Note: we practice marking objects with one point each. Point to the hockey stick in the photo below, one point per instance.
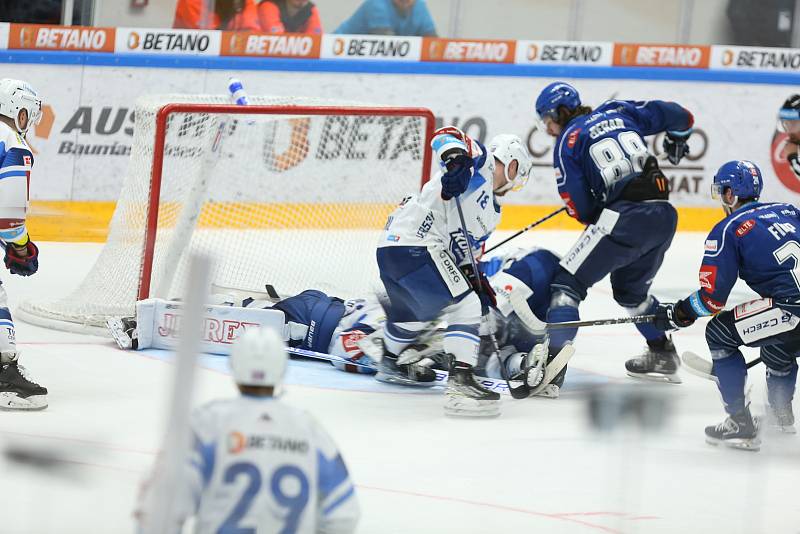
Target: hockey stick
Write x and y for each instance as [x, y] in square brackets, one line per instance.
[518, 392]
[602, 322]
[699, 366]
[492, 384]
[532, 225]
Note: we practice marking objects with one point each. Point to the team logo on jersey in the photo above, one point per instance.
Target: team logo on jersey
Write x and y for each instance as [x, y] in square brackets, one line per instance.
[711, 245]
[708, 277]
[573, 138]
[26, 160]
[746, 309]
[570, 205]
[745, 227]
[350, 342]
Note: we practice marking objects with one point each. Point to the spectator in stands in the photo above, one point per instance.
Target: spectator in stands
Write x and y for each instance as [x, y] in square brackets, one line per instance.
[216, 15]
[289, 16]
[390, 17]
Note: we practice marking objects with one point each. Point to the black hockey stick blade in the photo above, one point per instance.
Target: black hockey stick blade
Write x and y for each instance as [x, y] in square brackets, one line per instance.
[602, 322]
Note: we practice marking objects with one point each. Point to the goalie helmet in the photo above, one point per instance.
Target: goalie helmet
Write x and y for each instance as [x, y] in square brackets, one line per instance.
[507, 148]
[16, 95]
[554, 96]
[742, 177]
[259, 358]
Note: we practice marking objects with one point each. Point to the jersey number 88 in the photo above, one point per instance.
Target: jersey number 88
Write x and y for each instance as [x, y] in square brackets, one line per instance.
[620, 157]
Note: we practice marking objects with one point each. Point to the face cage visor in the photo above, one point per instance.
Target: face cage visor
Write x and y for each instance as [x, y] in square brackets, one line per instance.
[717, 192]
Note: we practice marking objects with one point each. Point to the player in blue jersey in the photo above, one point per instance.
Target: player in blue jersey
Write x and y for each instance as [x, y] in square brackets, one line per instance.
[610, 183]
[759, 243]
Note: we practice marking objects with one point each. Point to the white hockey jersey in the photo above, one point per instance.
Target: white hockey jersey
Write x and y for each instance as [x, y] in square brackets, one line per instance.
[428, 221]
[261, 466]
[16, 162]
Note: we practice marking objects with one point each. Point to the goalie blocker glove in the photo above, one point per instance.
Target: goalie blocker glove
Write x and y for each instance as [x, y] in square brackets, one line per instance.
[22, 260]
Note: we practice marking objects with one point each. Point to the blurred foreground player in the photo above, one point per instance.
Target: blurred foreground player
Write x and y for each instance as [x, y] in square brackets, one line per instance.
[20, 109]
[259, 465]
[611, 183]
[759, 243]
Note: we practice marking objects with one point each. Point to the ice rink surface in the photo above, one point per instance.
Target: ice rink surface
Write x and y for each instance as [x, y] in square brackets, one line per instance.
[540, 467]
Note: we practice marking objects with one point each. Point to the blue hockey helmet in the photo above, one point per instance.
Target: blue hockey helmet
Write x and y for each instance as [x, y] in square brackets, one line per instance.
[789, 115]
[555, 95]
[742, 177]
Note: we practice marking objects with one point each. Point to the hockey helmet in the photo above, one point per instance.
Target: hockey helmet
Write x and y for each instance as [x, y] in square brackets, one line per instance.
[259, 358]
[16, 95]
[507, 148]
[742, 177]
[789, 116]
[554, 96]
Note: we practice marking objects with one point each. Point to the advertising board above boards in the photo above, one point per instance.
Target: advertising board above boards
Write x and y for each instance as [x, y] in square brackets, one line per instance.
[212, 43]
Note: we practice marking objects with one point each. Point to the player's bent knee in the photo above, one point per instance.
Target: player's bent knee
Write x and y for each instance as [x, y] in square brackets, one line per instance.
[465, 311]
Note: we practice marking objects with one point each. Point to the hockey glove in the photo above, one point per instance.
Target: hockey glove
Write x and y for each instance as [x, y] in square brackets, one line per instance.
[481, 286]
[459, 172]
[22, 259]
[676, 147]
[671, 317]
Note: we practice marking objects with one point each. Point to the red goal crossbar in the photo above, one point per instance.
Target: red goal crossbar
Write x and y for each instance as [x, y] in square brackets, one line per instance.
[159, 145]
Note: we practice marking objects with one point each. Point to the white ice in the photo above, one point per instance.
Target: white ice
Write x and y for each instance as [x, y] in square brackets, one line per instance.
[538, 468]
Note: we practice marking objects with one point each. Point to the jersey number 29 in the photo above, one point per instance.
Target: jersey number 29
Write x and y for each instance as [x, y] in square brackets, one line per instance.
[618, 158]
[293, 503]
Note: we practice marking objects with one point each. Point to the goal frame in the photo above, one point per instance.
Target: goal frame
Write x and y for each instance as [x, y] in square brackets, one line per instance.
[163, 114]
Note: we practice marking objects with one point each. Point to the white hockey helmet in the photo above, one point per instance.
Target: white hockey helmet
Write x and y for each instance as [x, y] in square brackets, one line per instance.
[259, 358]
[16, 95]
[507, 148]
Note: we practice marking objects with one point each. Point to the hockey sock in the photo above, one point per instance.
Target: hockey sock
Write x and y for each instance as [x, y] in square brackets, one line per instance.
[780, 387]
[731, 372]
[462, 341]
[396, 338]
[648, 330]
[562, 314]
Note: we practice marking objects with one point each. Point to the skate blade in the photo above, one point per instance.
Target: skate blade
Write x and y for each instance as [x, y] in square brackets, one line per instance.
[657, 377]
[393, 379]
[753, 444]
[13, 402]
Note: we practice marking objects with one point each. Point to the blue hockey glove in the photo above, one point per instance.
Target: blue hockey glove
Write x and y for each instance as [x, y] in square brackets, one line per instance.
[675, 145]
[671, 317]
[22, 259]
[459, 172]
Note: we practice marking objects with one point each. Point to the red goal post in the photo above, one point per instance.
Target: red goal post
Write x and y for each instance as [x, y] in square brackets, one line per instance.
[289, 191]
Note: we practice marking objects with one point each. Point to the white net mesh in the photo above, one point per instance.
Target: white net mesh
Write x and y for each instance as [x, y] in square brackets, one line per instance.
[296, 201]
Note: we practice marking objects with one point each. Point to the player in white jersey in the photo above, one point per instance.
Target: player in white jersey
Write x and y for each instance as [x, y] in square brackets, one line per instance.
[257, 464]
[20, 109]
[424, 262]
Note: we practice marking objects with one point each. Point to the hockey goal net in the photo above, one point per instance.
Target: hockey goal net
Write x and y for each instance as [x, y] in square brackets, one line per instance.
[287, 191]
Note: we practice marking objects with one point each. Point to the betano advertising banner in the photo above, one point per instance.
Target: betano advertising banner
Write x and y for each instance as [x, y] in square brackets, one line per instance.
[83, 144]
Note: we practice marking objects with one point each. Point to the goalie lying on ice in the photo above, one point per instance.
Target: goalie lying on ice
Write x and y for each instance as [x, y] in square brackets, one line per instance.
[352, 329]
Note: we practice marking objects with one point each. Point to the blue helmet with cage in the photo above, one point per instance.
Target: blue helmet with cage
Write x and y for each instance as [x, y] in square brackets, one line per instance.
[555, 95]
[742, 177]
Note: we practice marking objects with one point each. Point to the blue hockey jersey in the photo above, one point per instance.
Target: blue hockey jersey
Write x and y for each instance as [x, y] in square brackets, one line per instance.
[596, 155]
[759, 243]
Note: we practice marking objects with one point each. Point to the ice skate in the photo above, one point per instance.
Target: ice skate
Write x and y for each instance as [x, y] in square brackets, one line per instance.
[413, 374]
[464, 397]
[738, 431]
[659, 362]
[17, 392]
[781, 418]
